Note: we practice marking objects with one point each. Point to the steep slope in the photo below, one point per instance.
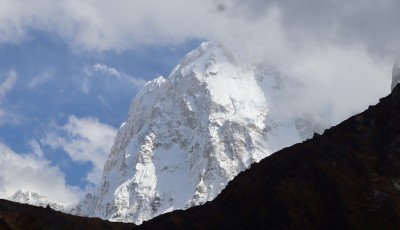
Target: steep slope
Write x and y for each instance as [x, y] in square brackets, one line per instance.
[22, 216]
[188, 135]
[347, 178]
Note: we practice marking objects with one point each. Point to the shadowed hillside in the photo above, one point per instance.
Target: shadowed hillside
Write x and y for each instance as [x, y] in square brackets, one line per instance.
[22, 216]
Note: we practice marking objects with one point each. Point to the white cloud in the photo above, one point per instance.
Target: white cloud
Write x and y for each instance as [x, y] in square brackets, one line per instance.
[109, 76]
[41, 79]
[27, 171]
[334, 82]
[107, 70]
[84, 140]
[8, 84]
[275, 29]
[121, 24]
[7, 115]
[112, 72]
[337, 50]
[328, 73]
[36, 149]
[281, 32]
[101, 24]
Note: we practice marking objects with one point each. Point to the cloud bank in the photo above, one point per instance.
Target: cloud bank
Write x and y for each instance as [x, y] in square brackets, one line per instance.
[84, 140]
[285, 33]
[29, 172]
[105, 25]
[7, 84]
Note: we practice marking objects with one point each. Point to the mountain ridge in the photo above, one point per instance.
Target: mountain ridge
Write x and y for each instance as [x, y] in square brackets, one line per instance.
[14, 215]
[37, 199]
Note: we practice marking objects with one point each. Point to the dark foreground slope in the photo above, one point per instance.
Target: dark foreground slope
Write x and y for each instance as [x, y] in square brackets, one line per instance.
[347, 178]
[22, 216]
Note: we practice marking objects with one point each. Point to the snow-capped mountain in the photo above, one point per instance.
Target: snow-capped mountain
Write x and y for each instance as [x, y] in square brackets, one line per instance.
[188, 135]
[37, 199]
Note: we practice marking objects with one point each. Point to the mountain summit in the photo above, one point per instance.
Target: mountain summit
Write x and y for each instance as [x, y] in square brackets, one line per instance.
[188, 135]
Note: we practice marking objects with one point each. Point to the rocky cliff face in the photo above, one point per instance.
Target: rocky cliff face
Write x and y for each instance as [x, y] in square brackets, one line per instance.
[188, 135]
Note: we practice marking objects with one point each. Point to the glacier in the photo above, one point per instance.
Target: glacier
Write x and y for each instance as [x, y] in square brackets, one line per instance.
[188, 135]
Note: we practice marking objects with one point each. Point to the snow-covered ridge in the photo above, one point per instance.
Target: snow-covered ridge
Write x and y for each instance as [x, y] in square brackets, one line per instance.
[37, 199]
[188, 135]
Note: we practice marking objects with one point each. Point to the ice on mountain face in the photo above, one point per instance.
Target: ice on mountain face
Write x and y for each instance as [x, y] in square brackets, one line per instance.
[395, 75]
[37, 199]
[188, 135]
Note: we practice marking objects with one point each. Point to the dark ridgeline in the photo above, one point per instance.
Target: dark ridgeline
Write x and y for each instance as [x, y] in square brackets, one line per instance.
[349, 177]
[22, 216]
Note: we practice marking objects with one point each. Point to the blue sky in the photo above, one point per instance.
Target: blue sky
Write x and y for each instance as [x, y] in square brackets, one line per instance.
[69, 69]
[52, 84]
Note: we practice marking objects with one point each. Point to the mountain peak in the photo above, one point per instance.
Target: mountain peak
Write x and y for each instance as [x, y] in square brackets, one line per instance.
[188, 135]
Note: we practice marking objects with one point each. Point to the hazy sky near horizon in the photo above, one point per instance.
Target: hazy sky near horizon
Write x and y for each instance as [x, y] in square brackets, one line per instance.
[69, 69]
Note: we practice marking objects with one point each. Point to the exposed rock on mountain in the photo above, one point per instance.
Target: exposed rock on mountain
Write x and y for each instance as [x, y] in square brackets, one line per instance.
[188, 135]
